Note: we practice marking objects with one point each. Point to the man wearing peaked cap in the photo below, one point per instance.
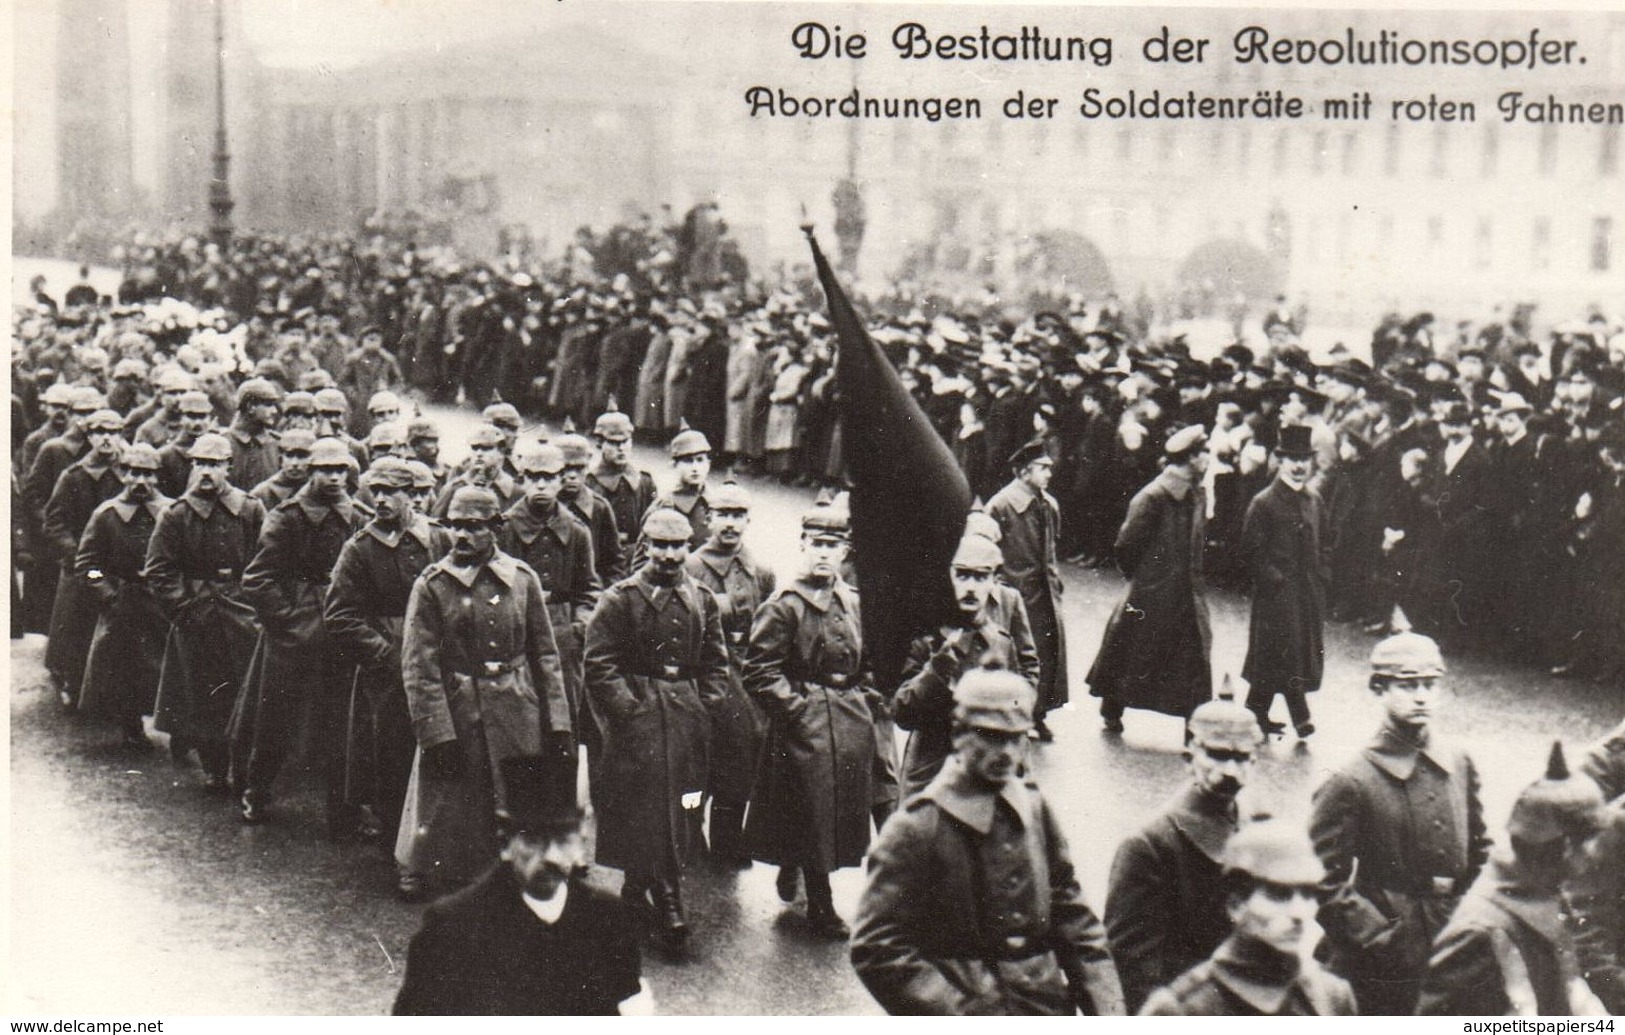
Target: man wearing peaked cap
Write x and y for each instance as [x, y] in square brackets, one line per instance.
[691, 458]
[1165, 904]
[629, 490]
[253, 442]
[948, 924]
[423, 435]
[1400, 829]
[194, 566]
[530, 937]
[295, 694]
[174, 457]
[163, 424]
[1031, 520]
[994, 630]
[1264, 967]
[127, 645]
[294, 446]
[486, 468]
[1155, 651]
[590, 508]
[1509, 945]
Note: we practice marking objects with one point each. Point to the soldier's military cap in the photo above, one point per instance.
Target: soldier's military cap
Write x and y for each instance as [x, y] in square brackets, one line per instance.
[388, 472]
[473, 503]
[422, 428]
[140, 456]
[979, 522]
[546, 457]
[195, 402]
[386, 435]
[978, 553]
[176, 379]
[994, 699]
[1558, 805]
[730, 495]
[488, 436]
[688, 442]
[576, 448]
[667, 524]
[1406, 654]
[1185, 441]
[57, 394]
[1276, 851]
[93, 358]
[331, 400]
[302, 403]
[87, 400]
[104, 420]
[330, 452]
[422, 477]
[289, 439]
[258, 389]
[503, 415]
[1035, 449]
[612, 423]
[210, 446]
[827, 519]
[1223, 724]
[129, 368]
[384, 400]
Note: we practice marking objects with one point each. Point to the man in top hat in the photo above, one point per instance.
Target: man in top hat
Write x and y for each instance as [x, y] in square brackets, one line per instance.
[592, 509]
[1166, 908]
[741, 585]
[691, 458]
[121, 666]
[1464, 485]
[994, 627]
[292, 695]
[804, 666]
[365, 614]
[1509, 946]
[83, 487]
[293, 446]
[1521, 538]
[657, 666]
[195, 564]
[1401, 831]
[1263, 967]
[485, 469]
[1155, 650]
[1288, 556]
[1031, 520]
[174, 460]
[530, 937]
[252, 433]
[480, 666]
[629, 490]
[972, 905]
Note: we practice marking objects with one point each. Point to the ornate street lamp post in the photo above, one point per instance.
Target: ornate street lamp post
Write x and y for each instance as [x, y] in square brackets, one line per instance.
[220, 203]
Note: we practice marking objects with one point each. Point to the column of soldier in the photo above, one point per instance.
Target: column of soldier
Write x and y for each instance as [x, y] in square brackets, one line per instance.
[257, 591]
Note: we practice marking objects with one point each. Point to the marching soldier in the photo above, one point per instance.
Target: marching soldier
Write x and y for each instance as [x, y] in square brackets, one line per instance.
[195, 565]
[996, 632]
[253, 433]
[741, 585]
[1401, 832]
[294, 446]
[593, 510]
[174, 461]
[1264, 967]
[657, 666]
[1028, 543]
[121, 669]
[424, 438]
[291, 695]
[629, 490]
[691, 457]
[55, 456]
[485, 470]
[972, 905]
[1165, 906]
[365, 613]
[804, 666]
[1509, 947]
[481, 672]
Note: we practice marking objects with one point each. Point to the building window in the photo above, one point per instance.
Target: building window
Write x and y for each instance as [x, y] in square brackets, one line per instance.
[1390, 157]
[1602, 244]
[1608, 158]
[1492, 149]
[1548, 149]
[1540, 251]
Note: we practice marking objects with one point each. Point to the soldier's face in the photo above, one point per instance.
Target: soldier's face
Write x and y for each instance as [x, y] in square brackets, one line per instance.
[263, 413]
[1221, 770]
[542, 485]
[1038, 473]
[1409, 701]
[991, 756]
[172, 398]
[296, 464]
[1279, 915]
[208, 476]
[485, 458]
[668, 555]
[105, 444]
[385, 413]
[972, 587]
[572, 478]
[328, 482]
[57, 415]
[823, 555]
[614, 452]
[392, 506]
[692, 471]
[728, 526]
[542, 862]
[473, 539]
[329, 420]
[195, 424]
[141, 483]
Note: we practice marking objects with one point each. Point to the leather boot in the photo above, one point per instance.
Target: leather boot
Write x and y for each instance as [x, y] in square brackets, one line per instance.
[669, 912]
[822, 919]
[635, 895]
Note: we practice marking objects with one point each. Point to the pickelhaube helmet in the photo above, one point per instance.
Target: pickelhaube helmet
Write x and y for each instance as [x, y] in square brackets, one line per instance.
[1406, 654]
[977, 553]
[576, 448]
[827, 518]
[487, 436]
[1223, 724]
[612, 423]
[730, 495]
[688, 442]
[1558, 805]
[1273, 850]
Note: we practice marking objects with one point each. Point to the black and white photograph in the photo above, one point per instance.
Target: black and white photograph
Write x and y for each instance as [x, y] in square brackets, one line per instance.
[759, 508]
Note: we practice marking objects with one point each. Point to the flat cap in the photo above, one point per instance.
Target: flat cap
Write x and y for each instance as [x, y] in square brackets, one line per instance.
[258, 389]
[388, 472]
[330, 452]
[210, 446]
[667, 524]
[994, 699]
[473, 503]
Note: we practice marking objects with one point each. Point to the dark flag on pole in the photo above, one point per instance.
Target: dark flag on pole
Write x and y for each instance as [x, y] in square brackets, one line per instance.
[909, 497]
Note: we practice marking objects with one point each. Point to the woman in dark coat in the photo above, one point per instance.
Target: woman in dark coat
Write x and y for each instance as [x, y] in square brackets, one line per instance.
[1155, 652]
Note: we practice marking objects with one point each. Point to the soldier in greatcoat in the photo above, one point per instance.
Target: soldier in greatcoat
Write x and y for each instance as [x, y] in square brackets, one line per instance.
[82, 488]
[1155, 650]
[691, 459]
[657, 668]
[1401, 831]
[741, 585]
[174, 463]
[995, 633]
[590, 508]
[55, 456]
[1287, 555]
[1030, 520]
[195, 564]
[484, 469]
[805, 667]
[293, 446]
[481, 670]
[121, 669]
[1165, 904]
[365, 614]
[293, 702]
[253, 433]
[629, 490]
[972, 905]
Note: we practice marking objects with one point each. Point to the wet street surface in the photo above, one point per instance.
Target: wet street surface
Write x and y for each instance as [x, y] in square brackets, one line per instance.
[133, 891]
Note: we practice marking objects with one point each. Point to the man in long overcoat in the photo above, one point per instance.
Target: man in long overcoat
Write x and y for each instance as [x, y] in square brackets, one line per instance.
[481, 671]
[657, 667]
[629, 489]
[1030, 519]
[1286, 549]
[804, 665]
[195, 564]
[1156, 647]
[127, 647]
